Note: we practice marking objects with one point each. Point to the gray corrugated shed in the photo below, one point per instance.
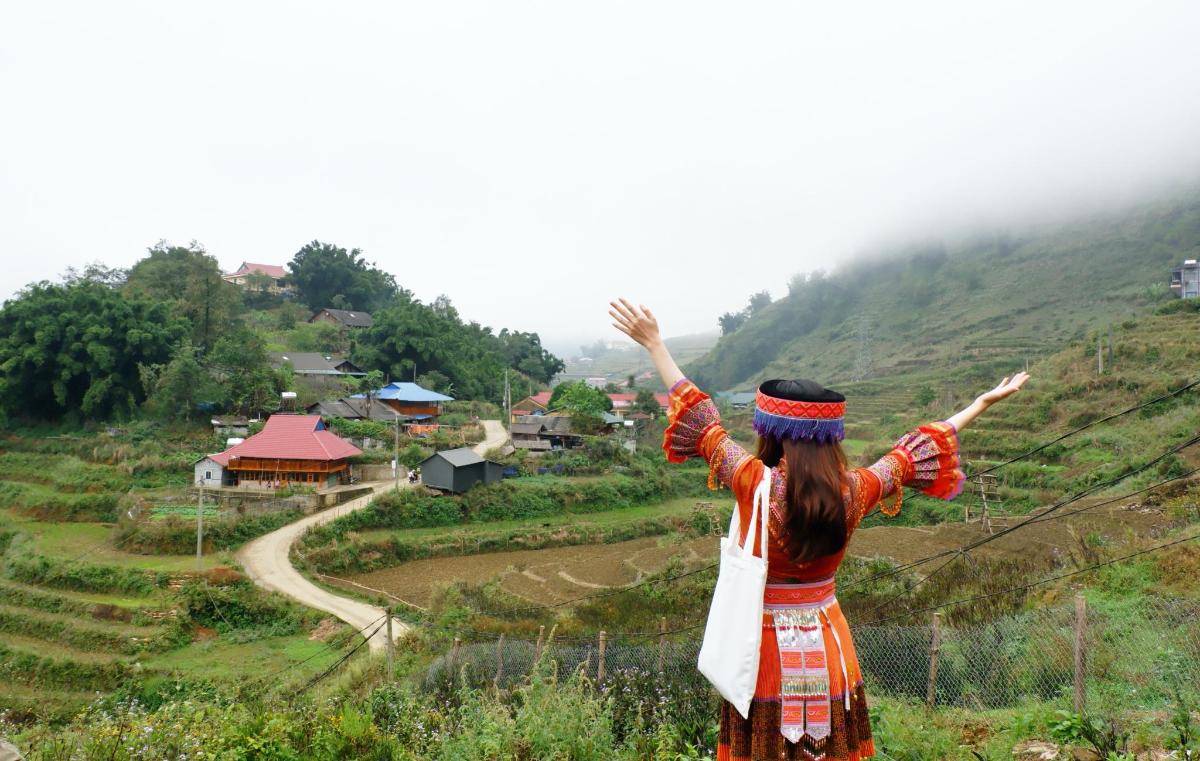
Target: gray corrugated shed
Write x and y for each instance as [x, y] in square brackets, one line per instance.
[314, 363]
[460, 457]
[355, 409]
[526, 429]
[351, 319]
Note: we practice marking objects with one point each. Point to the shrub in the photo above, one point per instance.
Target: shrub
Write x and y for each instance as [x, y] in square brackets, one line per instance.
[242, 611]
[176, 536]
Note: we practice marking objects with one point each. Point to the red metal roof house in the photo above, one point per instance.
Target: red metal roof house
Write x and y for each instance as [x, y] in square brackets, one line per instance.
[241, 276]
[290, 449]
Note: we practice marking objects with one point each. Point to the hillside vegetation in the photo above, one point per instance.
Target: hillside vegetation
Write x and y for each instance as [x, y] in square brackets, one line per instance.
[985, 303]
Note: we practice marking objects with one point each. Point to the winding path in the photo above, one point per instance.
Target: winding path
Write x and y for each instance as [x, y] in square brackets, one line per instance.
[495, 434]
[266, 559]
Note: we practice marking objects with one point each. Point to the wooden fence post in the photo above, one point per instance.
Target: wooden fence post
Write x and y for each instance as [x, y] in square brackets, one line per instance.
[391, 648]
[1080, 654]
[454, 659]
[600, 660]
[499, 661]
[662, 644]
[537, 650]
[935, 648]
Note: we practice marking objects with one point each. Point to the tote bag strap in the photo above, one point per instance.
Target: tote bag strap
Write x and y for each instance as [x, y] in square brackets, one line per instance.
[759, 515]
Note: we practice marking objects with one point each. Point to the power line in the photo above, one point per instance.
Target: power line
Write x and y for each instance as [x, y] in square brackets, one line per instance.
[1043, 516]
[334, 666]
[346, 637]
[1086, 426]
[912, 493]
[1031, 585]
[1074, 498]
[1152, 487]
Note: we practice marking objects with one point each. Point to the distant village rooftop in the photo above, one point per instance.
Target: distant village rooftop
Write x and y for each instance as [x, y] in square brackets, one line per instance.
[419, 404]
[314, 363]
[343, 317]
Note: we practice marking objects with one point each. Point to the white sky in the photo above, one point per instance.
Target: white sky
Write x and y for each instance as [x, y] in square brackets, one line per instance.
[531, 160]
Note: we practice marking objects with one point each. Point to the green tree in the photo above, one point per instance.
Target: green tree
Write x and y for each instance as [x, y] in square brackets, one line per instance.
[174, 390]
[436, 381]
[69, 349]
[731, 321]
[96, 272]
[585, 405]
[759, 302]
[239, 362]
[925, 396]
[410, 339]
[325, 275]
[646, 402]
[191, 280]
[578, 396]
[524, 353]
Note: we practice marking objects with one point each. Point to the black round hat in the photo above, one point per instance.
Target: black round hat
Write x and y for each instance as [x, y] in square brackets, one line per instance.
[800, 390]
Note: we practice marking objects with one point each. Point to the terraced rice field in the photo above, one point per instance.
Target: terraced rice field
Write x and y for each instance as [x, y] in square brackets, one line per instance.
[59, 649]
[552, 575]
[542, 576]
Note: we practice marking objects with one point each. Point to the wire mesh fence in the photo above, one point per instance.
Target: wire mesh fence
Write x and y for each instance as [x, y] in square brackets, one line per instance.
[1131, 657]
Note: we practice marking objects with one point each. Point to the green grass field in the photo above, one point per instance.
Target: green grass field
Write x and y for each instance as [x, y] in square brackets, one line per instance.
[92, 542]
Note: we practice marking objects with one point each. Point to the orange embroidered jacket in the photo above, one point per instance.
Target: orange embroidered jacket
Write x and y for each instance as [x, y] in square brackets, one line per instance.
[926, 459]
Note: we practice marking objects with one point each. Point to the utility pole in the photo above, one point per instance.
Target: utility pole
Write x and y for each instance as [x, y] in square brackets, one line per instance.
[396, 455]
[1100, 353]
[200, 530]
[507, 399]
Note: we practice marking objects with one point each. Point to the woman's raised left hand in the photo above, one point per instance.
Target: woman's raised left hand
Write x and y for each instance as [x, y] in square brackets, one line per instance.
[1007, 388]
[637, 322]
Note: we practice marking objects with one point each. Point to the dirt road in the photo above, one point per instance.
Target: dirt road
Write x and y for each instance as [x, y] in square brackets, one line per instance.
[494, 436]
[266, 561]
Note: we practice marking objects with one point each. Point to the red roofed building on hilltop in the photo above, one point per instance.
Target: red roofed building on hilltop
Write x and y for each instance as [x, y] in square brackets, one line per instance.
[290, 449]
[241, 276]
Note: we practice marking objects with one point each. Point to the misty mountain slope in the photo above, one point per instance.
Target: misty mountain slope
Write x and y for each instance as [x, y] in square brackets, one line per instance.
[977, 307]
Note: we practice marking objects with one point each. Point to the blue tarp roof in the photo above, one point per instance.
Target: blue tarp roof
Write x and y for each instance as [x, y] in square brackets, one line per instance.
[408, 392]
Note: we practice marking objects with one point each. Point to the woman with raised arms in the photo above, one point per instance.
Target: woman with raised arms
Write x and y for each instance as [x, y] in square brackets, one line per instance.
[808, 701]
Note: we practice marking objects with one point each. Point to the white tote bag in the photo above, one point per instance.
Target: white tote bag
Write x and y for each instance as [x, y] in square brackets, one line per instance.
[733, 634]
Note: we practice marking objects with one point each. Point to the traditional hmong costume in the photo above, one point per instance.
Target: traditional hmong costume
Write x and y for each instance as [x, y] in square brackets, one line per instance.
[809, 702]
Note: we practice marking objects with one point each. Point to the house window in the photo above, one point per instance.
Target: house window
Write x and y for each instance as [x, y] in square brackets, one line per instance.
[208, 475]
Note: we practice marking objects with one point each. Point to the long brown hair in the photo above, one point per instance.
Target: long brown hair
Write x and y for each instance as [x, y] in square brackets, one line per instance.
[816, 512]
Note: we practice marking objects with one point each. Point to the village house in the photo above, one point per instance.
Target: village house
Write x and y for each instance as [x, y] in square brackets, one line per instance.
[542, 433]
[231, 425]
[351, 408]
[289, 450]
[311, 363]
[420, 404]
[457, 470]
[539, 404]
[1185, 279]
[342, 318]
[623, 403]
[242, 276]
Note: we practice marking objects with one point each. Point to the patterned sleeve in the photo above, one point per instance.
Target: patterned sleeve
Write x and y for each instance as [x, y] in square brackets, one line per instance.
[925, 459]
[694, 430]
